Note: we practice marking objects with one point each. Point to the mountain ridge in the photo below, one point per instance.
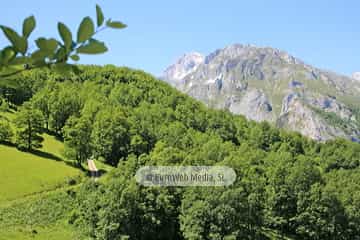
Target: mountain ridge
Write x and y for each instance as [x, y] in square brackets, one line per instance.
[268, 84]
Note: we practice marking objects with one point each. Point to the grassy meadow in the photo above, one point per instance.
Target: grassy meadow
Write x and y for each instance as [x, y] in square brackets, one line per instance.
[24, 173]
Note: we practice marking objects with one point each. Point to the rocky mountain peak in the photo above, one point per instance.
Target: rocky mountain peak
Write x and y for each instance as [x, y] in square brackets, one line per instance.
[182, 67]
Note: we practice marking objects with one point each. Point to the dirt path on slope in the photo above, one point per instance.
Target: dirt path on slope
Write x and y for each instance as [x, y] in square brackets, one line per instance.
[92, 167]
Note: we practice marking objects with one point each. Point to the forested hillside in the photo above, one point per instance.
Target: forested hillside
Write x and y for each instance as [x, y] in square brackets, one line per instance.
[286, 184]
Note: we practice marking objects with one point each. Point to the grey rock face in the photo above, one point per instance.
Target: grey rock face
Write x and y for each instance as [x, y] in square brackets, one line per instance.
[269, 84]
[297, 116]
[254, 105]
[330, 104]
[295, 84]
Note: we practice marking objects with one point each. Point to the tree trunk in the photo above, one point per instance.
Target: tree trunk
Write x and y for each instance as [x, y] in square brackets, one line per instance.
[29, 135]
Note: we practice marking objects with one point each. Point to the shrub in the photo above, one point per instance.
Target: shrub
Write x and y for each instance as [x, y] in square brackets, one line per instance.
[6, 132]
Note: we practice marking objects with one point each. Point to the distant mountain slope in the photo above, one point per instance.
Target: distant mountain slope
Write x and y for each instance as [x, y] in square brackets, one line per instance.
[269, 84]
[356, 76]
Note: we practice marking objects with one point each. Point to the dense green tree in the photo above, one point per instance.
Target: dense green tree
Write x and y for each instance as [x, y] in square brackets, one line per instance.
[29, 125]
[216, 213]
[340, 153]
[281, 201]
[126, 94]
[110, 135]
[176, 135]
[127, 209]
[138, 145]
[195, 220]
[4, 105]
[41, 101]
[211, 152]
[6, 132]
[147, 121]
[222, 124]
[191, 114]
[165, 155]
[64, 102]
[77, 139]
[293, 142]
[320, 215]
[344, 185]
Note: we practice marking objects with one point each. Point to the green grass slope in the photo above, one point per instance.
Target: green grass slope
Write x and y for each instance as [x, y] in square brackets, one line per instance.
[25, 173]
[56, 232]
[41, 216]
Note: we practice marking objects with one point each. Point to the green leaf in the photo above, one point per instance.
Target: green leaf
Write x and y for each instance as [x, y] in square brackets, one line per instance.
[99, 16]
[93, 47]
[39, 63]
[20, 61]
[60, 55]
[65, 35]
[115, 24]
[39, 55]
[28, 26]
[8, 54]
[75, 57]
[86, 30]
[19, 43]
[47, 45]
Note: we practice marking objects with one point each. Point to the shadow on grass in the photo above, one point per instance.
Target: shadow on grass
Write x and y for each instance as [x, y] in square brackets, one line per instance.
[101, 172]
[50, 156]
[54, 134]
[9, 144]
[75, 164]
[45, 155]
[97, 173]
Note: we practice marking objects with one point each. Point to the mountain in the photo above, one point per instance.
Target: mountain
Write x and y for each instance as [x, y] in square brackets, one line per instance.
[356, 76]
[186, 64]
[267, 84]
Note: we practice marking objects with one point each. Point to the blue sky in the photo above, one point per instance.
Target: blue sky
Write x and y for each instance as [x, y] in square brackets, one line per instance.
[324, 33]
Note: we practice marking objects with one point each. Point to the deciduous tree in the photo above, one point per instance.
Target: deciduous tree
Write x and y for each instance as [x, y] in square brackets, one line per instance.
[29, 125]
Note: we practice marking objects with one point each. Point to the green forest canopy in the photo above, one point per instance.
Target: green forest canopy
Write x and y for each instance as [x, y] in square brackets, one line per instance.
[128, 119]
